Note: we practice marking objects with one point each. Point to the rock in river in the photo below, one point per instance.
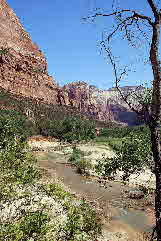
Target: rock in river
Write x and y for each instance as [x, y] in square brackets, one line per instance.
[136, 194]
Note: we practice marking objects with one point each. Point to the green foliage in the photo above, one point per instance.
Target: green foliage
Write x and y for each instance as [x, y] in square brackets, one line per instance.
[78, 159]
[18, 167]
[68, 129]
[83, 166]
[25, 217]
[16, 163]
[31, 225]
[76, 155]
[121, 132]
[82, 223]
[56, 190]
[133, 152]
[13, 124]
[146, 97]
[30, 128]
[115, 143]
[4, 51]
[45, 115]
[115, 137]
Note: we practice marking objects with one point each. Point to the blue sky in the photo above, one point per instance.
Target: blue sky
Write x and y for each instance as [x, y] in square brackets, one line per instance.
[71, 46]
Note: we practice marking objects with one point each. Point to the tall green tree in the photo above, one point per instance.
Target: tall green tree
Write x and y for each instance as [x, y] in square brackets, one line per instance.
[133, 25]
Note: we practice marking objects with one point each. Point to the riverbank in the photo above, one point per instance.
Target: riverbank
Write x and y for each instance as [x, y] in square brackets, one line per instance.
[124, 218]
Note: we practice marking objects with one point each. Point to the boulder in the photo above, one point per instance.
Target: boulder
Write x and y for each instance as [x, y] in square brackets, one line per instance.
[136, 194]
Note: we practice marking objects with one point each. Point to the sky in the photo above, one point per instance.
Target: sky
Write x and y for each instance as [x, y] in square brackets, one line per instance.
[71, 45]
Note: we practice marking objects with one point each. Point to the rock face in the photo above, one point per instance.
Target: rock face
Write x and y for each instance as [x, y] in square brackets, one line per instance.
[105, 105]
[23, 67]
[23, 72]
[88, 99]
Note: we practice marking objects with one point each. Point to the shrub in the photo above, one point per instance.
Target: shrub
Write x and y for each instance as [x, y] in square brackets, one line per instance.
[83, 166]
[16, 163]
[121, 132]
[14, 124]
[76, 155]
[31, 226]
[82, 223]
[57, 191]
[77, 158]
[25, 204]
[68, 129]
[133, 153]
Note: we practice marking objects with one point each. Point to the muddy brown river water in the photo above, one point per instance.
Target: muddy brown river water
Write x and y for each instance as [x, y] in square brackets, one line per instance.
[118, 210]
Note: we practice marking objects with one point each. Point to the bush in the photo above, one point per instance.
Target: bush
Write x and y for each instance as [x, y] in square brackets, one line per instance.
[83, 166]
[30, 210]
[132, 154]
[77, 158]
[31, 224]
[82, 223]
[16, 163]
[121, 132]
[13, 123]
[57, 191]
[68, 129]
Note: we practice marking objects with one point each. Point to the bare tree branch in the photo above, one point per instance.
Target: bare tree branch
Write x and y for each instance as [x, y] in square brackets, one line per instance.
[121, 24]
[141, 31]
[124, 24]
[128, 22]
[153, 7]
[140, 16]
[110, 14]
[117, 77]
[134, 15]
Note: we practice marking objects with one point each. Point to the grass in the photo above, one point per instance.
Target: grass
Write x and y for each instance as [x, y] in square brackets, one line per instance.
[103, 140]
[114, 142]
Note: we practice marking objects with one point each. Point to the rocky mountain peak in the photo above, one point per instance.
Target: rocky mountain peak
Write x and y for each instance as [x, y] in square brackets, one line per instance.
[13, 35]
[24, 73]
[23, 67]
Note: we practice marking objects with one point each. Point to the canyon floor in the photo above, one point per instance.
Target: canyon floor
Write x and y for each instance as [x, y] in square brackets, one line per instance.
[123, 218]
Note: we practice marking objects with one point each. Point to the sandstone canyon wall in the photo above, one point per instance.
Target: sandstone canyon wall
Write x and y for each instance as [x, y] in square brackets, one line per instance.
[105, 105]
[23, 72]
[23, 67]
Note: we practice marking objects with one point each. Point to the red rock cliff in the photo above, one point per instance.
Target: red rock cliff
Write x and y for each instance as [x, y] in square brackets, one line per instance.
[88, 99]
[104, 105]
[23, 67]
[23, 72]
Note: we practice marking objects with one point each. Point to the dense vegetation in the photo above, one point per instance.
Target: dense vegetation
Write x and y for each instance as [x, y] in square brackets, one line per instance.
[62, 122]
[78, 159]
[132, 147]
[68, 129]
[29, 208]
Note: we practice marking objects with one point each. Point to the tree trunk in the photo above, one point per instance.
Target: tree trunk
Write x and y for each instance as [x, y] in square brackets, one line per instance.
[155, 140]
[156, 117]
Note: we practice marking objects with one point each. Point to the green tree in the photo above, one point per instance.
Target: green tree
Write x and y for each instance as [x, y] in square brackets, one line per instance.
[68, 129]
[132, 26]
[14, 161]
